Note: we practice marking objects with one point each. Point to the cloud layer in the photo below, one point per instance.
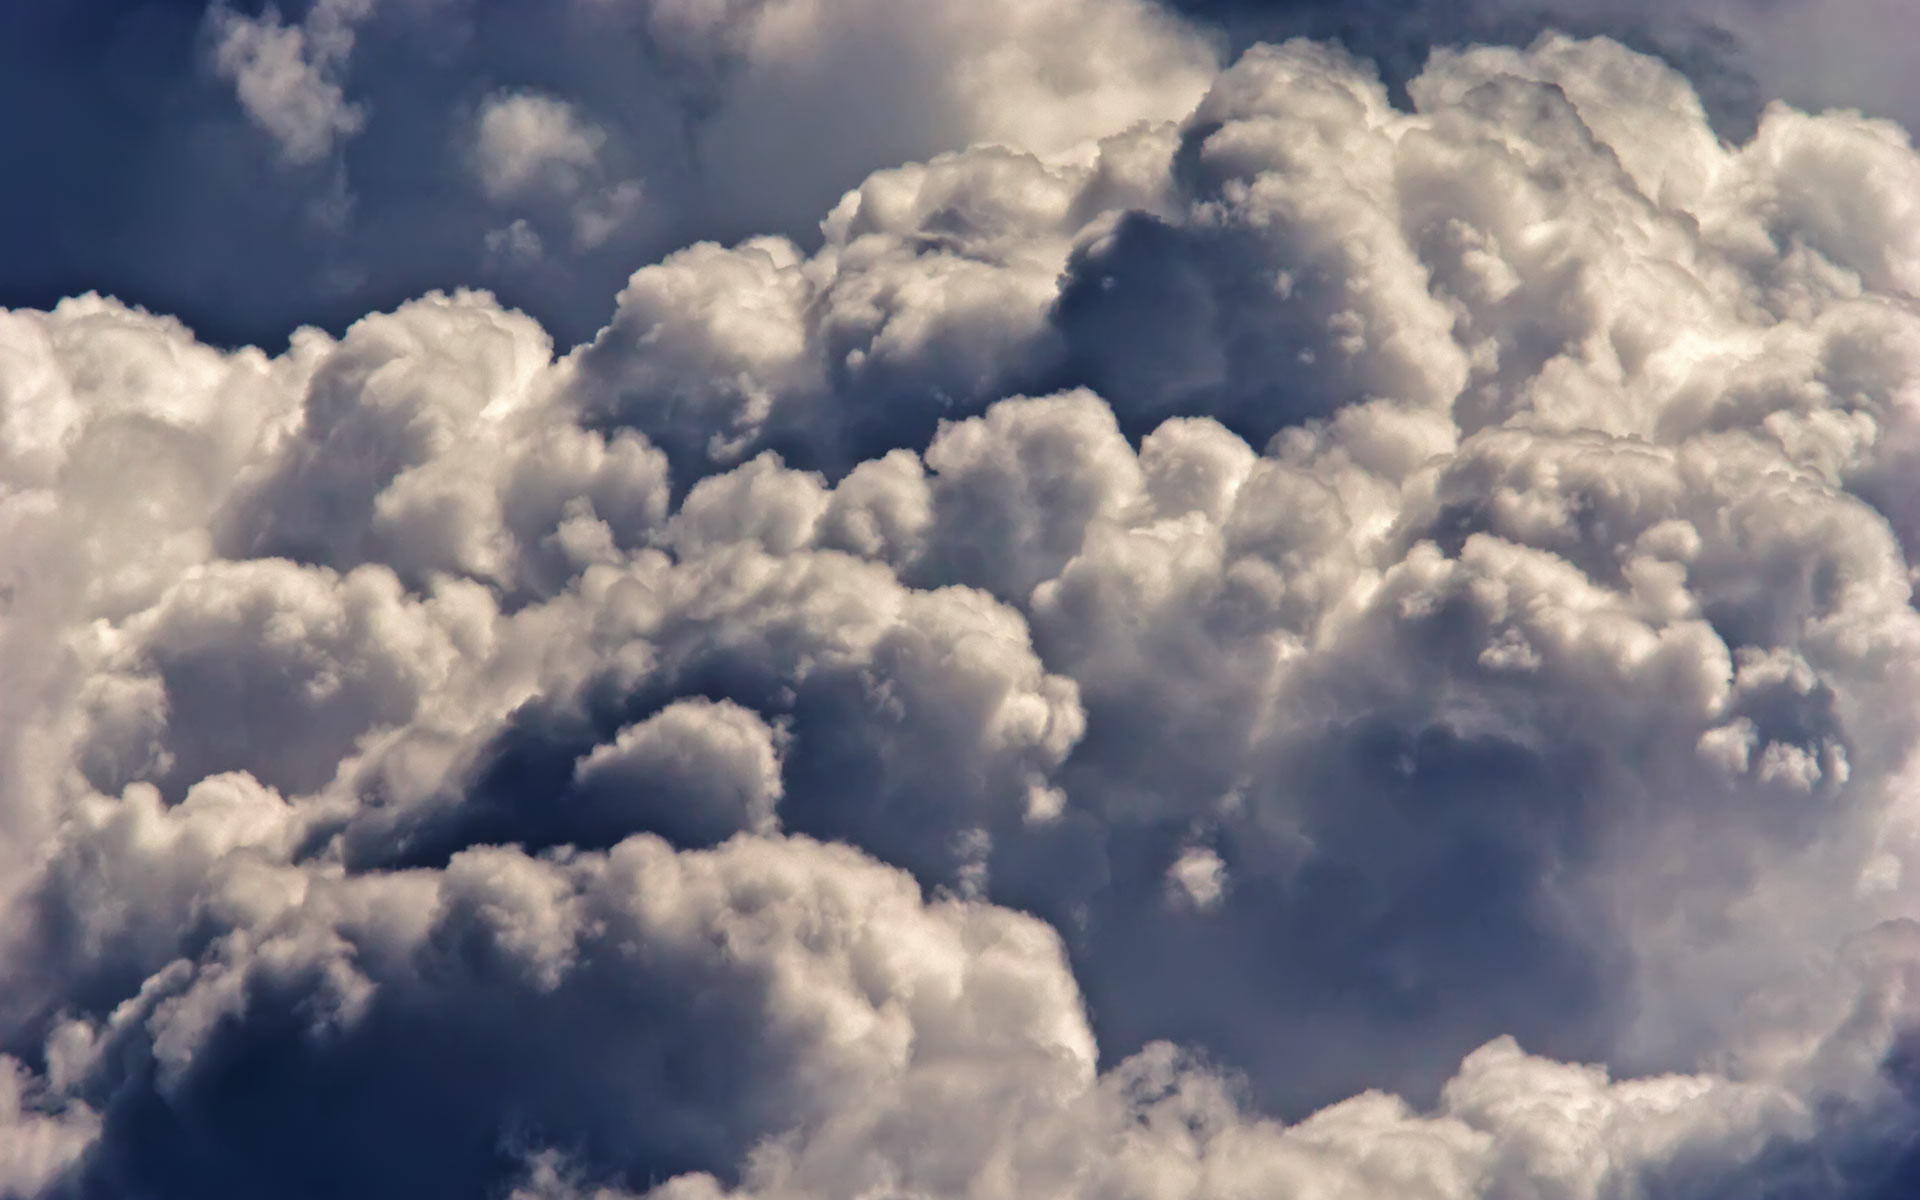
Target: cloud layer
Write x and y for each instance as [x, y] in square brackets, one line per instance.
[1210, 636]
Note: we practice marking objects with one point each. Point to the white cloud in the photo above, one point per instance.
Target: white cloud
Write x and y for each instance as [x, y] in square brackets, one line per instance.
[523, 141]
[1198, 877]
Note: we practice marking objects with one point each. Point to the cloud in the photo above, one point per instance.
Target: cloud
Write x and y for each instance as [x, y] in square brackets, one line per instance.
[1739, 54]
[514, 244]
[522, 141]
[1216, 633]
[1198, 877]
[554, 993]
[1813, 55]
[1162, 1124]
[287, 77]
[41, 1145]
[717, 761]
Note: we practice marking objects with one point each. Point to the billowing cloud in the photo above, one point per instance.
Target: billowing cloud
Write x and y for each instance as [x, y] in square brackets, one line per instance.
[1213, 634]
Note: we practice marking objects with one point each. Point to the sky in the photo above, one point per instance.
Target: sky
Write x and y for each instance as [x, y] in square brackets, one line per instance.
[976, 599]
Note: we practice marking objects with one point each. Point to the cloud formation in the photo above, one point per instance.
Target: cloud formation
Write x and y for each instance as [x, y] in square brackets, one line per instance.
[1212, 635]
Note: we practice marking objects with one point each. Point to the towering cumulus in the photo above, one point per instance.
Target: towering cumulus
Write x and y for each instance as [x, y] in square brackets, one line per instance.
[1225, 631]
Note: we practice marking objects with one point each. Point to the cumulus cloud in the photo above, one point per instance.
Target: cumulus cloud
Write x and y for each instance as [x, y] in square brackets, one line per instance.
[1215, 634]
[556, 993]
